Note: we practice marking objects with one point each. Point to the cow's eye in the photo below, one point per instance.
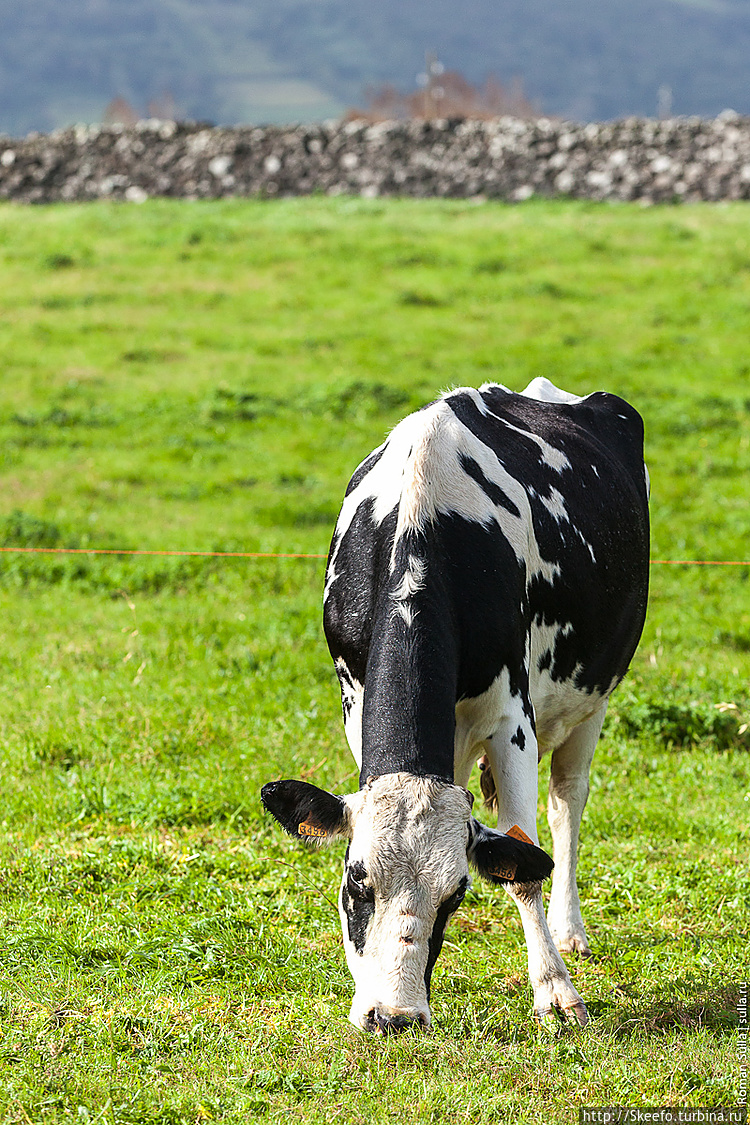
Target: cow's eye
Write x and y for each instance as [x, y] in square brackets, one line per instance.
[452, 904]
[357, 888]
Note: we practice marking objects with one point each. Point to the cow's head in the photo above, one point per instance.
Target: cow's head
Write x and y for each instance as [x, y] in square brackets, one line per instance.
[406, 870]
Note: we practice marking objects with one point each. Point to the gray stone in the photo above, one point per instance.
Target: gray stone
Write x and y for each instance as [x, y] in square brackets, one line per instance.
[506, 158]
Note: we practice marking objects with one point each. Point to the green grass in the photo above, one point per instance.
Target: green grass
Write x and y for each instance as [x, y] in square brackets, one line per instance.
[206, 376]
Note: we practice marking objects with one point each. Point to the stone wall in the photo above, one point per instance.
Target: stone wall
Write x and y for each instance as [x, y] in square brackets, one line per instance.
[633, 159]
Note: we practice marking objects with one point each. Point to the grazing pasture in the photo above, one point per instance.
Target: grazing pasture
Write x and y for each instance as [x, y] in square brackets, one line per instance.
[206, 376]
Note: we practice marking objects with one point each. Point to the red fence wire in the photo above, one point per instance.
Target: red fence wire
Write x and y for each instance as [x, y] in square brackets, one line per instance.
[189, 554]
[698, 562]
[282, 555]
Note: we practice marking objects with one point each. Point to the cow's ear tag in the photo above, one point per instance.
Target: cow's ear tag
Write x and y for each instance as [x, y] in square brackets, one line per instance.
[519, 834]
[508, 870]
[305, 828]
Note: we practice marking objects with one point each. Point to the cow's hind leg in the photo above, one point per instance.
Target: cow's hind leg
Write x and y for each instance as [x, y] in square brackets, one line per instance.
[568, 791]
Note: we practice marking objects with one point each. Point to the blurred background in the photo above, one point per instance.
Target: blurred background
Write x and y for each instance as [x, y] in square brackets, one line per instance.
[278, 61]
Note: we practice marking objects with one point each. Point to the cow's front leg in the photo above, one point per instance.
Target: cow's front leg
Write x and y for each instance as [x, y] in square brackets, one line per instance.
[554, 994]
[513, 754]
[568, 790]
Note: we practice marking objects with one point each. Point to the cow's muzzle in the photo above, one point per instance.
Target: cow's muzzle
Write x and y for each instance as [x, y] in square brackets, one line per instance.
[382, 1022]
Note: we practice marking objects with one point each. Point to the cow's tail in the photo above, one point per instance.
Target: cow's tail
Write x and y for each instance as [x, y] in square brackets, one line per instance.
[487, 783]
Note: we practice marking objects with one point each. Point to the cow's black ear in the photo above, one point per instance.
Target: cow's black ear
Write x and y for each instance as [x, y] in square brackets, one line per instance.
[306, 812]
[506, 857]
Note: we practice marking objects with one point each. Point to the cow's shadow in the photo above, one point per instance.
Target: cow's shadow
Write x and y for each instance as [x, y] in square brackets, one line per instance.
[710, 1007]
[675, 1005]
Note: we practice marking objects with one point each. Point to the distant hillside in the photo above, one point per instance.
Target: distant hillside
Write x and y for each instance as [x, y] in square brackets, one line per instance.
[233, 61]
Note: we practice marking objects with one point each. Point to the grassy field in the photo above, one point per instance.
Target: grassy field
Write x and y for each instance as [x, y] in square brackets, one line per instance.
[206, 376]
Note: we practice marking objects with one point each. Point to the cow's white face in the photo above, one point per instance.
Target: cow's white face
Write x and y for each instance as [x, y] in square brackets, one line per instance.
[406, 872]
[411, 840]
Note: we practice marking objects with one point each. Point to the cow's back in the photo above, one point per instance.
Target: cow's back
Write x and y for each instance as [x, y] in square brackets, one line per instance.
[510, 530]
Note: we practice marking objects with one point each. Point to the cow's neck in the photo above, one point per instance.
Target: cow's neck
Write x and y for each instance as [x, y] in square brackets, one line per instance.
[409, 713]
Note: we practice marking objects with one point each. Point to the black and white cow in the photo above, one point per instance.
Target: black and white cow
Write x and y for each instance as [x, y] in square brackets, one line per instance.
[485, 592]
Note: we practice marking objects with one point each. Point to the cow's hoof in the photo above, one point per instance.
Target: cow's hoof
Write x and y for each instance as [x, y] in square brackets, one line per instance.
[549, 1019]
[555, 1019]
[557, 1003]
[570, 938]
[573, 943]
[578, 1012]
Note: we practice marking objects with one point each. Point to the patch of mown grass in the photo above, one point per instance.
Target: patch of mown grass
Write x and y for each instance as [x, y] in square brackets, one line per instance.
[206, 376]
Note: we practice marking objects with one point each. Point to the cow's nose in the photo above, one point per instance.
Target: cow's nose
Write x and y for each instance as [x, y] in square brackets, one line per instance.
[385, 1023]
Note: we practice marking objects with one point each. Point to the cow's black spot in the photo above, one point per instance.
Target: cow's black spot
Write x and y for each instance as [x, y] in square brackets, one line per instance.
[528, 707]
[519, 739]
[358, 903]
[545, 660]
[357, 885]
[362, 555]
[496, 495]
[344, 674]
[450, 906]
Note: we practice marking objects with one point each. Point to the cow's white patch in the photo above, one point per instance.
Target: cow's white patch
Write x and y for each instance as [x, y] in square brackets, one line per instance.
[331, 577]
[497, 720]
[412, 582]
[413, 579]
[477, 719]
[407, 613]
[410, 836]
[558, 706]
[352, 699]
[585, 542]
[383, 484]
[555, 505]
[416, 473]
[543, 390]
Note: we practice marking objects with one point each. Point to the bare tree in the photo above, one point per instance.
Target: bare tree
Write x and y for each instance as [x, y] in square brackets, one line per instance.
[445, 93]
[120, 112]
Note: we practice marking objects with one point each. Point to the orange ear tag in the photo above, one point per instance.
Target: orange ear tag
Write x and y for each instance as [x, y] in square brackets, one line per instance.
[507, 872]
[305, 829]
[519, 834]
